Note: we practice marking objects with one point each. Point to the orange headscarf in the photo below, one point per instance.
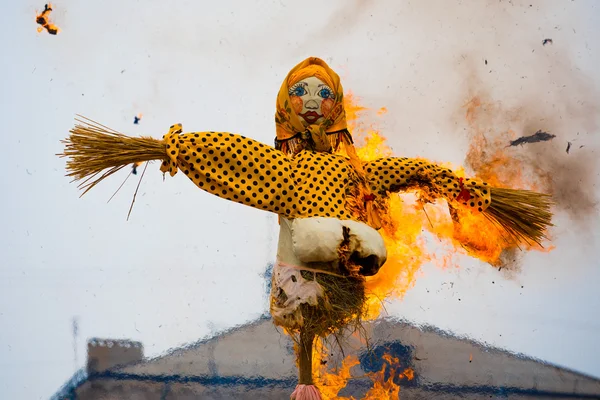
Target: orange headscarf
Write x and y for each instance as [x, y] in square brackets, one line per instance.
[288, 123]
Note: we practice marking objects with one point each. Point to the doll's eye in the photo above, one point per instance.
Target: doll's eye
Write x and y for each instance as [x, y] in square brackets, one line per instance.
[297, 90]
[326, 93]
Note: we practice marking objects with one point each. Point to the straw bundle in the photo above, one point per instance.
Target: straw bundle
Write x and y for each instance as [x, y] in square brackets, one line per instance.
[524, 215]
[343, 305]
[93, 148]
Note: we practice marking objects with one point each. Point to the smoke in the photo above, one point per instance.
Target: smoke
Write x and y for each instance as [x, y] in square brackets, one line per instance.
[571, 113]
[478, 76]
[469, 77]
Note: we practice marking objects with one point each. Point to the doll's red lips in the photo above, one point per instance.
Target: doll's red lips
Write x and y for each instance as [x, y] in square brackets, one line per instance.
[310, 116]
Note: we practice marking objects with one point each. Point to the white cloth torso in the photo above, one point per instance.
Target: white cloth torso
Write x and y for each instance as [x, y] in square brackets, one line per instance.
[313, 244]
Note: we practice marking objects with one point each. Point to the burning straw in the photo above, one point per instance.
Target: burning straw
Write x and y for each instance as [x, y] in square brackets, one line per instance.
[524, 215]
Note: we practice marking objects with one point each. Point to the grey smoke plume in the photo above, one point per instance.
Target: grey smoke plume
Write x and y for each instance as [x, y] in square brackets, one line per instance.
[572, 114]
[493, 51]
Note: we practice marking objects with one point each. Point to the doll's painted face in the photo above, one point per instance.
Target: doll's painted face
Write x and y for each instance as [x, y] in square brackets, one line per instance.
[312, 100]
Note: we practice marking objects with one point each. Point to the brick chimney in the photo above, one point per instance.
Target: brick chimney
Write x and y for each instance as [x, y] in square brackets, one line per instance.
[104, 354]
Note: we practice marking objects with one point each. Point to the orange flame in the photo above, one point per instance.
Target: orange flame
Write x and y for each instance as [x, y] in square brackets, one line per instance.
[408, 217]
[330, 383]
[43, 19]
[407, 246]
[491, 161]
[408, 373]
[402, 233]
[387, 389]
[383, 389]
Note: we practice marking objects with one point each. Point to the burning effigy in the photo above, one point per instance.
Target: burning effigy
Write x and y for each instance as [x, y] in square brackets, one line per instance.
[333, 206]
[43, 19]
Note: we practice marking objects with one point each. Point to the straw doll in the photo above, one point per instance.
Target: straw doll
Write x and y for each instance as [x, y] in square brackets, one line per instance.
[329, 204]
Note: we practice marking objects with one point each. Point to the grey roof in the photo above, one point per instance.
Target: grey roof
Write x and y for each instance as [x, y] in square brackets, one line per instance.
[257, 357]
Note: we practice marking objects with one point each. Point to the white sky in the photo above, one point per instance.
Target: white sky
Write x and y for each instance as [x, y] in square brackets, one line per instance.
[188, 263]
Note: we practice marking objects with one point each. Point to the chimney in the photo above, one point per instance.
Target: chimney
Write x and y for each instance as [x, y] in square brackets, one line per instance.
[104, 354]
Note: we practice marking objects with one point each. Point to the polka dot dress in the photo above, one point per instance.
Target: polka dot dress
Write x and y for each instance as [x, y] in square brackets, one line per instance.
[243, 170]
[310, 184]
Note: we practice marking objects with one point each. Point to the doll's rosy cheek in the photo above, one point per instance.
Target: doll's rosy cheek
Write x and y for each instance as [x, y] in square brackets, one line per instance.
[296, 104]
[326, 106]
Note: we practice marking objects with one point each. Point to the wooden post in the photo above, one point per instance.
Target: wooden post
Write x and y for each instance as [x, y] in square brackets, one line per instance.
[305, 357]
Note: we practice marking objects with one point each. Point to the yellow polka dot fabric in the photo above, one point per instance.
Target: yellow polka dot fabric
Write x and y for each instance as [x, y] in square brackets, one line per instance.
[310, 184]
[397, 174]
[243, 170]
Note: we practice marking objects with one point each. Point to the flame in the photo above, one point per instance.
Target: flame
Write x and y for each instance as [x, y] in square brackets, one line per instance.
[408, 217]
[387, 389]
[408, 373]
[408, 229]
[43, 19]
[382, 388]
[402, 231]
[331, 382]
[490, 159]
[493, 162]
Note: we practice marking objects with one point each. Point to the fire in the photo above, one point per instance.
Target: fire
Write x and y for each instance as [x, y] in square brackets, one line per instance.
[403, 230]
[331, 382]
[387, 389]
[352, 110]
[382, 388]
[384, 385]
[488, 155]
[43, 19]
[464, 233]
[408, 373]
[407, 245]
[492, 162]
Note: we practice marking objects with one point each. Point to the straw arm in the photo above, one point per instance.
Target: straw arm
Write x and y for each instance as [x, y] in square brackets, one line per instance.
[227, 165]
[393, 174]
[523, 215]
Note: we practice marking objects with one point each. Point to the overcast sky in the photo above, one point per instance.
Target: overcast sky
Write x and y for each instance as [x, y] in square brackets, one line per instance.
[188, 264]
